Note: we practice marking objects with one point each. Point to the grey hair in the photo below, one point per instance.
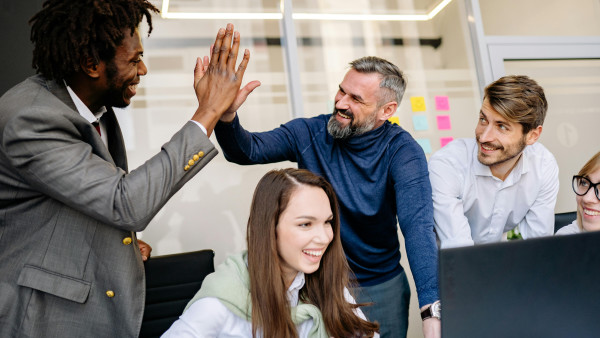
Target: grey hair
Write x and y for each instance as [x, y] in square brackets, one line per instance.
[392, 79]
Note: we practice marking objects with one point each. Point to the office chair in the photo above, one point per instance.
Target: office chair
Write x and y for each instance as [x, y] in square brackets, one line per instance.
[562, 219]
[171, 282]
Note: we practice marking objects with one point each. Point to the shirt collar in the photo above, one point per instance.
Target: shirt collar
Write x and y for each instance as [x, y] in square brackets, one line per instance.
[83, 110]
[294, 289]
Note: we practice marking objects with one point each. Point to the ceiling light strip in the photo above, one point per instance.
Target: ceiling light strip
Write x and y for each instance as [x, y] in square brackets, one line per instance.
[304, 16]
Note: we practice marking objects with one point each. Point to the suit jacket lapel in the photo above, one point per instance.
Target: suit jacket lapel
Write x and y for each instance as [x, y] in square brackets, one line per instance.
[116, 145]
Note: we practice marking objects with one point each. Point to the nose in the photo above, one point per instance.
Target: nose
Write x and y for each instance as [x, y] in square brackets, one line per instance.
[590, 196]
[341, 101]
[486, 134]
[323, 234]
[142, 70]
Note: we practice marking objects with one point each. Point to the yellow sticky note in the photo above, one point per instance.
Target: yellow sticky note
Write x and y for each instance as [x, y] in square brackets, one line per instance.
[417, 103]
[394, 119]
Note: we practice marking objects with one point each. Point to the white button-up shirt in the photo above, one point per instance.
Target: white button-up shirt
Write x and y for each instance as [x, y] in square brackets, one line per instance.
[208, 317]
[87, 114]
[471, 206]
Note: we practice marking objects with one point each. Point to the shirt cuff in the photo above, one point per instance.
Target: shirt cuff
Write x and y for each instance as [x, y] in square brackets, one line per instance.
[200, 125]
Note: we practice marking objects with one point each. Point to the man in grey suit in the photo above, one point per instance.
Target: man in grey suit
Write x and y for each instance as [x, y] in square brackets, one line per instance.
[70, 264]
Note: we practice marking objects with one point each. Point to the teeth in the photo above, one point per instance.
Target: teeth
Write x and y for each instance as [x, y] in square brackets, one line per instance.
[316, 253]
[343, 115]
[487, 148]
[591, 212]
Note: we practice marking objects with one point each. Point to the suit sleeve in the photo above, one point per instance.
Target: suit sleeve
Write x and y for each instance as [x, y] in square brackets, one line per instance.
[451, 224]
[49, 153]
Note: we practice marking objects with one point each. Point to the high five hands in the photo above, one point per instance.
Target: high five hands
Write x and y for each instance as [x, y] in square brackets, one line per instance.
[217, 83]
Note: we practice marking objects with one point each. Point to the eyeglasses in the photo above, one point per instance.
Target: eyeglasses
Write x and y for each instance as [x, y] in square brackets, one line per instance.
[581, 185]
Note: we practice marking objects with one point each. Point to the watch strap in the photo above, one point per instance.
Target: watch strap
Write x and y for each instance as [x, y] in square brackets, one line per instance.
[426, 314]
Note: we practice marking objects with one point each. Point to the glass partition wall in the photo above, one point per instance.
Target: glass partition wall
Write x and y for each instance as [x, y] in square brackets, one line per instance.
[441, 101]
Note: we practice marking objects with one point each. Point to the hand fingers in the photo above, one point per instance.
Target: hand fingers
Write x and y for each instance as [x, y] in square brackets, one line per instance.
[225, 46]
[205, 63]
[242, 67]
[216, 48]
[249, 88]
[232, 58]
[198, 71]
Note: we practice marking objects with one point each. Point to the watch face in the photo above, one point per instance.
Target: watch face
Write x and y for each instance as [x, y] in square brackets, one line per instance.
[436, 309]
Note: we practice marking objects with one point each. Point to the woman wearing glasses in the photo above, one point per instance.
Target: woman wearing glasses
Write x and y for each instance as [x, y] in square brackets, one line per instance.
[586, 185]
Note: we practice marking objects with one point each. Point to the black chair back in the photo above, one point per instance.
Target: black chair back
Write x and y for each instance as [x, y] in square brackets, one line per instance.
[171, 282]
[562, 219]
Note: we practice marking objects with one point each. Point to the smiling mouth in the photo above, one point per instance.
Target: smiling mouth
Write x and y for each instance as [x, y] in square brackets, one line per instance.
[591, 212]
[133, 88]
[314, 253]
[343, 115]
[487, 147]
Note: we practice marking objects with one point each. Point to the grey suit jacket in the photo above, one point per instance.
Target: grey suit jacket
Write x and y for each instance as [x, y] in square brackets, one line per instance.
[70, 265]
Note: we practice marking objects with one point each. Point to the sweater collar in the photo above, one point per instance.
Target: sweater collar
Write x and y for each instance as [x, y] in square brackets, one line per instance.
[366, 140]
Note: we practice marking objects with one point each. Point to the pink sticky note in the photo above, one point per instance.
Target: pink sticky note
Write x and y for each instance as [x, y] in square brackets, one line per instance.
[443, 122]
[445, 140]
[441, 103]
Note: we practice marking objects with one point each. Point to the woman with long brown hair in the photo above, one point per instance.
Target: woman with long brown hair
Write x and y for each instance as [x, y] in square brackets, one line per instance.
[294, 279]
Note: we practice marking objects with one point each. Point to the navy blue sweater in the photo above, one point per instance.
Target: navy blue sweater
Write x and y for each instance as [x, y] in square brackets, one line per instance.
[377, 177]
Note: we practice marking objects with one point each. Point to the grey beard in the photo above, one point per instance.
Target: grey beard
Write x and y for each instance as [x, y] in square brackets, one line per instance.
[342, 133]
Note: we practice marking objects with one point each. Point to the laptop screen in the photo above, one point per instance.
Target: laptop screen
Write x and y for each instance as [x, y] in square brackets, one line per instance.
[545, 287]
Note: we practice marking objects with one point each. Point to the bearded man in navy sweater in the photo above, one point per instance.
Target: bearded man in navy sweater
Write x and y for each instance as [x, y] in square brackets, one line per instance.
[380, 175]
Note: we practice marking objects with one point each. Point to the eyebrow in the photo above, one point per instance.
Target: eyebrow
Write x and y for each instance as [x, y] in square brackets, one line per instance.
[354, 96]
[313, 218]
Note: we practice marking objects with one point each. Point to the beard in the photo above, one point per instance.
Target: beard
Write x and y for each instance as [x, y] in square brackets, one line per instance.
[115, 95]
[340, 132]
[506, 154]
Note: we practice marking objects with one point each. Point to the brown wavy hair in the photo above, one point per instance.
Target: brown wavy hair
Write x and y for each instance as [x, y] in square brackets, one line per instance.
[324, 288]
[518, 98]
[65, 31]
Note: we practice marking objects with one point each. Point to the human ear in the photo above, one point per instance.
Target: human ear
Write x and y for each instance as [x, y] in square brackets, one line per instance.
[90, 67]
[387, 110]
[533, 135]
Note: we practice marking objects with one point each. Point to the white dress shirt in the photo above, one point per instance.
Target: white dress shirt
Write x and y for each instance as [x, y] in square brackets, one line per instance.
[570, 229]
[208, 317]
[87, 114]
[471, 206]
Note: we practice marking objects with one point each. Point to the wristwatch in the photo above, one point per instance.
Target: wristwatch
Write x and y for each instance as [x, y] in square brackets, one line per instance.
[435, 310]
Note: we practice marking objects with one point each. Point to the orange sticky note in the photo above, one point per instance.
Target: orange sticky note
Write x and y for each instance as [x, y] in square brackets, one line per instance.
[417, 103]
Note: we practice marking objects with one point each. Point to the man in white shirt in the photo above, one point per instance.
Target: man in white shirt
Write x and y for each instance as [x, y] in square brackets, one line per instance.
[502, 179]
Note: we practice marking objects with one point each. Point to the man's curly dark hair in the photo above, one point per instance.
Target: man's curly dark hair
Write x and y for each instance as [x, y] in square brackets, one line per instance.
[65, 31]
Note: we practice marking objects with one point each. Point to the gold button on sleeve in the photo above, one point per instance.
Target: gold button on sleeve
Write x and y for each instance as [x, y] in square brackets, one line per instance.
[110, 293]
[127, 240]
[201, 154]
[186, 168]
[196, 157]
[191, 162]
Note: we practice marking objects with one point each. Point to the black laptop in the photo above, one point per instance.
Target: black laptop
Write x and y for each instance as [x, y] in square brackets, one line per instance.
[546, 287]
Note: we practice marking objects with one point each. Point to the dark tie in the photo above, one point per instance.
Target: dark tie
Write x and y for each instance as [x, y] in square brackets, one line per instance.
[97, 126]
